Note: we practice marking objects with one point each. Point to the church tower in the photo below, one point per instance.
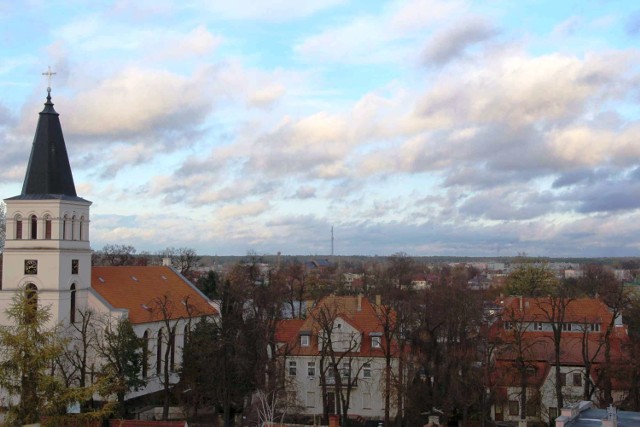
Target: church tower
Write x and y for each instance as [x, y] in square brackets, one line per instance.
[47, 246]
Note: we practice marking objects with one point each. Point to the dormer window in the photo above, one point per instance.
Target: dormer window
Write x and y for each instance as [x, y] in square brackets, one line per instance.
[305, 340]
[376, 339]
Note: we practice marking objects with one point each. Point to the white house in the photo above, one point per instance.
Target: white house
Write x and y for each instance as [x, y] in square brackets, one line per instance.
[338, 349]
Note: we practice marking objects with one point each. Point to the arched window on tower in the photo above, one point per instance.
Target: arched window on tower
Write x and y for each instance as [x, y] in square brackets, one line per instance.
[145, 354]
[34, 227]
[65, 226]
[73, 227]
[47, 227]
[72, 309]
[81, 229]
[31, 300]
[18, 227]
[159, 353]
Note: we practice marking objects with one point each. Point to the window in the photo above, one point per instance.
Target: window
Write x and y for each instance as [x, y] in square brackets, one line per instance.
[47, 227]
[311, 399]
[31, 294]
[18, 227]
[186, 334]
[563, 379]
[532, 408]
[80, 228]
[553, 413]
[345, 372]
[366, 370]
[366, 400]
[304, 340]
[375, 342]
[145, 354]
[72, 308]
[34, 227]
[65, 226]
[514, 407]
[73, 227]
[537, 326]
[577, 379]
[292, 368]
[531, 371]
[508, 326]
[566, 326]
[75, 266]
[595, 327]
[172, 344]
[159, 353]
[311, 369]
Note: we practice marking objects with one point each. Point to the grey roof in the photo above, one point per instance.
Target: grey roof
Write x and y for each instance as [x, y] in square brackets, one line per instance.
[593, 417]
[49, 173]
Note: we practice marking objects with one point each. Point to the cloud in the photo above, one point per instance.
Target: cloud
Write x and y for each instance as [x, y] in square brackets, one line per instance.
[453, 42]
[138, 101]
[266, 96]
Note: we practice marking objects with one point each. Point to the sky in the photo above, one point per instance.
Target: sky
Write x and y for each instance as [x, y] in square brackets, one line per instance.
[471, 128]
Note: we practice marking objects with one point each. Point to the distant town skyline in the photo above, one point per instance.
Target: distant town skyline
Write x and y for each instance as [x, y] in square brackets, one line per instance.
[468, 128]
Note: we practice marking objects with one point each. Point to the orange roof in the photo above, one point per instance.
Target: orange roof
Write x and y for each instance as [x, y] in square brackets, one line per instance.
[366, 320]
[142, 290]
[578, 310]
[287, 330]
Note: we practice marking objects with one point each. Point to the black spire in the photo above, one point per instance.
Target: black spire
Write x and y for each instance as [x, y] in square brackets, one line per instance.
[49, 173]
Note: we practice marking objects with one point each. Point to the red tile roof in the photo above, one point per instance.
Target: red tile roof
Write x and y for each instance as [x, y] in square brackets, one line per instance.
[141, 423]
[367, 320]
[578, 310]
[139, 289]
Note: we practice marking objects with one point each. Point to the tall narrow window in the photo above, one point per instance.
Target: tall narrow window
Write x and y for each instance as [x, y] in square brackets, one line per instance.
[185, 337]
[72, 309]
[18, 227]
[64, 227]
[31, 295]
[145, 354]
[172, 343]
[34, 227]
[81, 229]
[47, 227]
[159, 353]
[73, 227]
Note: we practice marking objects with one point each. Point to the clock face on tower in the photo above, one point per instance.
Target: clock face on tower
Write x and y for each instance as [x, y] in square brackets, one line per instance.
[30, 266]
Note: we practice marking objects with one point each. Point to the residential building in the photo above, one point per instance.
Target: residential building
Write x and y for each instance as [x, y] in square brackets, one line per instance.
[338, 353]
[525, 356]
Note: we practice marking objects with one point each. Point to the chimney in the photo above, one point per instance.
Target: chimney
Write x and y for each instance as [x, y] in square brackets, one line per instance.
[166, 262]
[378, 300]
[359, 302]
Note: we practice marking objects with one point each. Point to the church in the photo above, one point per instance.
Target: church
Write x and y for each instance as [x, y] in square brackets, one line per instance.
[48, 252]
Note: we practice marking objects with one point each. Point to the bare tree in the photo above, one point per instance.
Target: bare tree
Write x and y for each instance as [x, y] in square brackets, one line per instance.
[339, 362]
[185, 260]
[118, 255]
[554, 309]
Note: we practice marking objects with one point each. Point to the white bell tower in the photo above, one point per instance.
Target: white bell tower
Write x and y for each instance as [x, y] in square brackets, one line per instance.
[47, 245]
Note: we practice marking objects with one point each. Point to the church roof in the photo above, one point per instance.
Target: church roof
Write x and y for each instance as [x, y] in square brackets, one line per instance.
[144, 290]
[49, 172]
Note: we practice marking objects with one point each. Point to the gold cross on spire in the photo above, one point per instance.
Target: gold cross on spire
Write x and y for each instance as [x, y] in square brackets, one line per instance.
[48, 73]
